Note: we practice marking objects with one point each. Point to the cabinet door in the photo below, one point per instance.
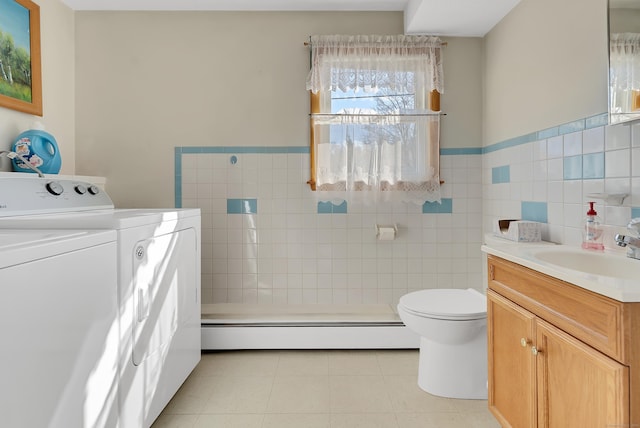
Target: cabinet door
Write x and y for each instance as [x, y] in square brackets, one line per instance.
[512, 385]
[577, 385]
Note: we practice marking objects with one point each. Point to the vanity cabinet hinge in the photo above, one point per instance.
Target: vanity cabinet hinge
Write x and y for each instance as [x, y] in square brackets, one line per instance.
[491, 272]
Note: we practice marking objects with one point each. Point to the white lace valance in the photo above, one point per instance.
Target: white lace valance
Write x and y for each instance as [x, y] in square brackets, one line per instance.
[624, 73]
[367, 62]
[625, 60]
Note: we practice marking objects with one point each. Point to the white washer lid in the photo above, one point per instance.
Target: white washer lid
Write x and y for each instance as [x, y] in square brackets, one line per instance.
[450, 304]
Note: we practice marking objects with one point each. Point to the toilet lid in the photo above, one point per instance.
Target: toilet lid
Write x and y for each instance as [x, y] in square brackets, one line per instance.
[446, 304]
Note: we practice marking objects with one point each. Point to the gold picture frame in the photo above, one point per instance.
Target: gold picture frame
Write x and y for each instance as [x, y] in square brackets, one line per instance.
[20, 76]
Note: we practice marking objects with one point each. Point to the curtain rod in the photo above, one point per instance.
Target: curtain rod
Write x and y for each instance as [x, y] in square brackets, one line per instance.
[441, 44]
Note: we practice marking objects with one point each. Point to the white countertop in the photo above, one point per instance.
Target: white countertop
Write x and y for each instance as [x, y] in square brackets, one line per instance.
[624, 289]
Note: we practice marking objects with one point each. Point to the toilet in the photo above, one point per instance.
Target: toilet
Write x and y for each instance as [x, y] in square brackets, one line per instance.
[452, 325]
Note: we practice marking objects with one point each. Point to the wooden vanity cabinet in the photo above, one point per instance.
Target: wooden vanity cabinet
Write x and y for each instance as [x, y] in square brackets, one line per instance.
[559, 356]
[512, 369]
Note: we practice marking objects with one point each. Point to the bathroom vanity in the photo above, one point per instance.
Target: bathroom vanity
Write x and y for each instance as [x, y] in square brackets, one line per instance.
[562, 351]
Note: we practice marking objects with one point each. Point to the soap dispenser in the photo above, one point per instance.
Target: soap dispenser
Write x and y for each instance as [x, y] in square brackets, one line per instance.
[592, 233]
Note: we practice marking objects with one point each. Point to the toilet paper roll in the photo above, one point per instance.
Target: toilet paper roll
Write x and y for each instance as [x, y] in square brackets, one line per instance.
[386, 233]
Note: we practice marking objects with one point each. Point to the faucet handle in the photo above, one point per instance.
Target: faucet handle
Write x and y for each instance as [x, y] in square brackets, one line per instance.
[634, 227]
[621, 240]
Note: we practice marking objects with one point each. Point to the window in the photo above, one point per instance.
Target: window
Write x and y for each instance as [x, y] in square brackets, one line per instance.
[375, 120]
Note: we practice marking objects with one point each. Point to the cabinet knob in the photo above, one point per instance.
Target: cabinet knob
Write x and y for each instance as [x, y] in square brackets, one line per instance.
[535, 351]
[524, 342]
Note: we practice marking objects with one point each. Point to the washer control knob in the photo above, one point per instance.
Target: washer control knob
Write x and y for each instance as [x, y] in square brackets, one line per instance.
[55, 188]
[80, 189]
[94, 190]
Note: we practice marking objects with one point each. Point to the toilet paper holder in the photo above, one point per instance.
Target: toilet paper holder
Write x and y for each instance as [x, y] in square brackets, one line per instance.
[386, 232]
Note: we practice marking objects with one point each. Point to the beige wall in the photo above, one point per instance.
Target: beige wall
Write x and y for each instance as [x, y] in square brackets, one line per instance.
[58, 87]
[147, 82]
[545, 65]
[624, 20]
[462, 98]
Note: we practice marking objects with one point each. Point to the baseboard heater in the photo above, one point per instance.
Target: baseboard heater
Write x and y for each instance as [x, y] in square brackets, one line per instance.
[239, 326]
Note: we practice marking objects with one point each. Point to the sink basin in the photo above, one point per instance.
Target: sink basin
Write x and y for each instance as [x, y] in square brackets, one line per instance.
[616, 266]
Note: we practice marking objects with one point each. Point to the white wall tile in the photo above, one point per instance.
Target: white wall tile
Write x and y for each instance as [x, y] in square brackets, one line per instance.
[635, 194]
[554, 147]
[617, 137]
[555, 191]
[593, 140]
[555, 169]
[566, 199]
[635, 134]
[573, 192]
[617, 163]
[572, 144]
[635, 161]
[539, 191]
[617, 216]
[591, 187]
[540, 150]
[573, 236]
[556, 213]
[617, 185]
[290, 254]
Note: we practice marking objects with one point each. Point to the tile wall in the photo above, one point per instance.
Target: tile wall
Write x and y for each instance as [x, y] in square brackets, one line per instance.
[266, 239]
[547, 176]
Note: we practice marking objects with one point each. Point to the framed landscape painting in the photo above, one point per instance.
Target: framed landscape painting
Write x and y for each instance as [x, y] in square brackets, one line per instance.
[20, 69]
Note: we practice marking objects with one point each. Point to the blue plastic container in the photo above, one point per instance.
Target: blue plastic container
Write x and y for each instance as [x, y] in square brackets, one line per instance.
[40, 149]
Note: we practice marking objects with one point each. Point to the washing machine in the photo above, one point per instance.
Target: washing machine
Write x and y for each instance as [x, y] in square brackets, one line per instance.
[59, 328]
[158, 277]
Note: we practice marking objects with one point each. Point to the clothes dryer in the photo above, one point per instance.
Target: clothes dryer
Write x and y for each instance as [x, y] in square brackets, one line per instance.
[158, 258]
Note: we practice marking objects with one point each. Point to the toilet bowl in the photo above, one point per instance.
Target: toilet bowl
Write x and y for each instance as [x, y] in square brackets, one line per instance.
[452, 325]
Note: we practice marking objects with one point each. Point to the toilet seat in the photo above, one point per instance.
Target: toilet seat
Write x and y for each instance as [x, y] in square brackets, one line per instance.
[445, 304]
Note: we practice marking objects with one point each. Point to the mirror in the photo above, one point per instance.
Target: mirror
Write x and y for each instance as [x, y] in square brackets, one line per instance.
[624, 60]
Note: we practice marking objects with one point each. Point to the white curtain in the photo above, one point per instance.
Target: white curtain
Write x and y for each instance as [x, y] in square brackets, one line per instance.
[389, 154]
[624, 72]
[365, 62]
[373, 158]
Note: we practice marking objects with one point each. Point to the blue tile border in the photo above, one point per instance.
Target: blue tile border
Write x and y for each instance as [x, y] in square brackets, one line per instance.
[635, 212]
[445, 207]
[596, 121]
[548, 133]
[461, 151]
[565, 128]
[507, 144]
[571, 127]
[244, 149]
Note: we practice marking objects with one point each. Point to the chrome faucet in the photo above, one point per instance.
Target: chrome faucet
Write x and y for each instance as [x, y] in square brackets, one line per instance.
[631, 242]
[12, 155]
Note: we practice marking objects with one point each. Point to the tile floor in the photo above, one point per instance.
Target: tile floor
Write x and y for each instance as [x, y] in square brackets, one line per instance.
[315, 389]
